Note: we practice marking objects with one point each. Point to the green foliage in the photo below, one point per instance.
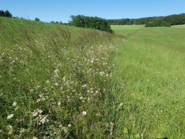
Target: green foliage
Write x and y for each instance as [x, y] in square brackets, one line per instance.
[91, 22]
[5, 13]
[37, 19]
[172, 19]
[158, 24]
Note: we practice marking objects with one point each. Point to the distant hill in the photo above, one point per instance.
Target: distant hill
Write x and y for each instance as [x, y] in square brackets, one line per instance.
[172, 19]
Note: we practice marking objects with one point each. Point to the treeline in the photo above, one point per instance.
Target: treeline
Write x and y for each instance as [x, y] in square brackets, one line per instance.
[172, 19]
[91, 22]
[5, 13]
[158, 24]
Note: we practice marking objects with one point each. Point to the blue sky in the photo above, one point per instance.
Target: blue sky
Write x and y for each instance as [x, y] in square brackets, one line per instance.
[60, 10]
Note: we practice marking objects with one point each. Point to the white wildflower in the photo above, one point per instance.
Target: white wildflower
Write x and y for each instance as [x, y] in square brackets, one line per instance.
[84, 113]
[10, 116]
[14, 104]
[9, 127]
[35, 113]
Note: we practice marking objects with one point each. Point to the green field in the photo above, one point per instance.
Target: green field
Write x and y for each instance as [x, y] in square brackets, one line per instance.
[68, 82]
[126, 29]
[149, 67]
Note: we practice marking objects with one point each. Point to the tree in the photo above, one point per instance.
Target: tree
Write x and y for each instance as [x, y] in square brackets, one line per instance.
[8, 14]
[2, 13]
[37, 19]
[90, 22]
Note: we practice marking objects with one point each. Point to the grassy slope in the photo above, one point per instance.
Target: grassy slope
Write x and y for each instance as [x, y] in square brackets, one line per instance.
[61, 73]
[150, 68]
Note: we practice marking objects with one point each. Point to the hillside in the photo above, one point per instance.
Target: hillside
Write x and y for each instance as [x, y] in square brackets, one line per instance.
[54, 80]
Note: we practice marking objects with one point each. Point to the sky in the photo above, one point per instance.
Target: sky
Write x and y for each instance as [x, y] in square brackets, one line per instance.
[61, 10]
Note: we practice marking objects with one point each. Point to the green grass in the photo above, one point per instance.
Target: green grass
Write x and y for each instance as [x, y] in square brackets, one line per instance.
[84, 83]
[55, 80]
[149, 67]
[125, 29]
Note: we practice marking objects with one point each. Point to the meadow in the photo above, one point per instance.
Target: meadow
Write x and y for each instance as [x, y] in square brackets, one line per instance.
[149, 67]
[59, 81]
[54, 80]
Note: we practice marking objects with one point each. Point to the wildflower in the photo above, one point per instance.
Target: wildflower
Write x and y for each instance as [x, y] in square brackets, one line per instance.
[64, 78]
[40, 111]
[69, 125]
[47, 81]
[43, 99]
[101, 73]
[38, 100]
[10, 132]
[35, 113]
[84, 113]
[81, 97]
[31, 90]
[29, 111]
[43, 120]
[83, 86]
[16, 108]
[10, 116]
[35, 138]
[14, 104]
[59, 103]
[56, 84]
[9, 127]
[56, 70]
[98, 114]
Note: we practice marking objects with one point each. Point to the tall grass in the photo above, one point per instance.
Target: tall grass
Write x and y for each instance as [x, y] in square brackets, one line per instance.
[55, 81]
[149, 82]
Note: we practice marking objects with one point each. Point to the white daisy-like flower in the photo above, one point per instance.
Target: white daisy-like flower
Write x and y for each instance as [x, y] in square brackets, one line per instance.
[47, 81]
[56, 84]
[59, 103]
[81, 97]
[16, 108]
[84, 113]
[10, 116]
[38, 100]
[35, 138]
[69, 125]
[14, 104]
[56, 70]
[101, 73]
[31, 90]
[83, 86]
[9, 127]
[35, 113]
[40, 111]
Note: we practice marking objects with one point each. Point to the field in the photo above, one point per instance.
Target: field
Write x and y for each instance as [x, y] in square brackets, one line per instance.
[59, 81]
[149, 67]
[126, 29]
